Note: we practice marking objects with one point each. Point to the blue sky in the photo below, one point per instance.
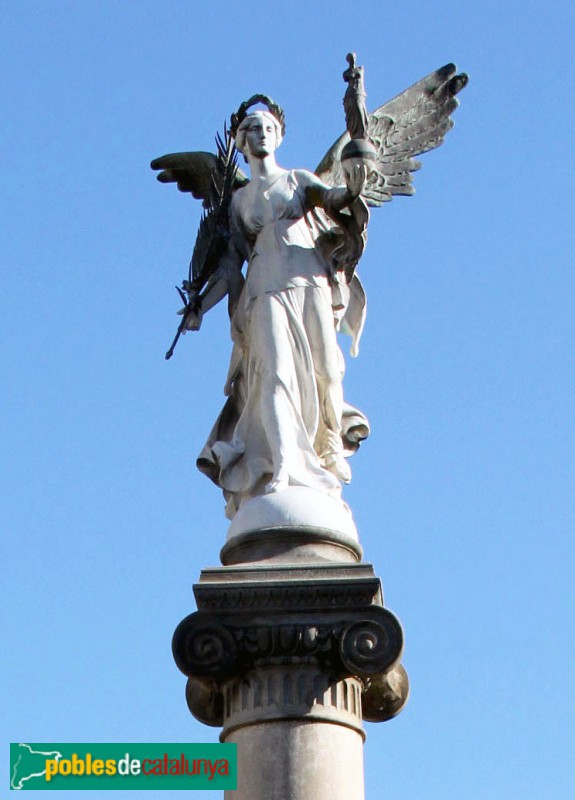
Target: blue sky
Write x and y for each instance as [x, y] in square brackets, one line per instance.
[463, 495]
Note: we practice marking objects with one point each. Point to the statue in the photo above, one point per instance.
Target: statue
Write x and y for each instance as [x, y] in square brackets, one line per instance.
[285, 423]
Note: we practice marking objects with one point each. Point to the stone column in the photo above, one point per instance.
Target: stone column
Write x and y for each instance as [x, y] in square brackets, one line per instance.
[299, 734]
[290, 648]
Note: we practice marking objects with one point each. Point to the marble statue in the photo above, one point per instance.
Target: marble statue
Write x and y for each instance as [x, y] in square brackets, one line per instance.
[285, 424]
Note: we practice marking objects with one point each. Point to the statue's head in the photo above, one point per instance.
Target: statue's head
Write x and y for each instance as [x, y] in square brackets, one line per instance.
[259, 134]
[270, 124]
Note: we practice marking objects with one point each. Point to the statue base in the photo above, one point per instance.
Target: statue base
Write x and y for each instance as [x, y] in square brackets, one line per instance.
[297, 524]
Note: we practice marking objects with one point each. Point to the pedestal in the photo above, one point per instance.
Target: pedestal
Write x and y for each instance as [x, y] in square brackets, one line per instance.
[288, 653]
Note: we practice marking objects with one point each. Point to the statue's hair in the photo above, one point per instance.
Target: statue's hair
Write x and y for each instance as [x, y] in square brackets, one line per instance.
[245, 124]
[239, 116]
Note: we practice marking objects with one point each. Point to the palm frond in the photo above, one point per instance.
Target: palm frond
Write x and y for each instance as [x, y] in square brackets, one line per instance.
[214, 226]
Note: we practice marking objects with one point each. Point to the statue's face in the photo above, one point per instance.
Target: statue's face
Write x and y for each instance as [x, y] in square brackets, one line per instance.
[260, 136]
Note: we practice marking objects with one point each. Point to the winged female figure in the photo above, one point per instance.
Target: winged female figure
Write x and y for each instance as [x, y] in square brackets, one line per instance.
[285, 423]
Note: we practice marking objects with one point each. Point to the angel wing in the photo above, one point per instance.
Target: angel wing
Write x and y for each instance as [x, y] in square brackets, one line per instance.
[410, 124]
[193, 172]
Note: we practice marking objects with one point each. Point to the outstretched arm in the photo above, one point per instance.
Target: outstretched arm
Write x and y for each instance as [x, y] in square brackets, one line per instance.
[334, 199]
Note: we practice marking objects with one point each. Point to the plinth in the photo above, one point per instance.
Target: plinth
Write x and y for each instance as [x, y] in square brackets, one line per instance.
[290, 649]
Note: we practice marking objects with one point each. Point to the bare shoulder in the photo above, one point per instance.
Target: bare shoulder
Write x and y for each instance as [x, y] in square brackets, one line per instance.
[238, 196]
[238, 200]
[306, 178]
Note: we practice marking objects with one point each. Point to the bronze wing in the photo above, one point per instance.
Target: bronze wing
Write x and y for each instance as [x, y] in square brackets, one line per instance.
[192, 172]
[410, 124]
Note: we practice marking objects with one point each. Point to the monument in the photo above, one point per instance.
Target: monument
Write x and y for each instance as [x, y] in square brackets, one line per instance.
[292, 646]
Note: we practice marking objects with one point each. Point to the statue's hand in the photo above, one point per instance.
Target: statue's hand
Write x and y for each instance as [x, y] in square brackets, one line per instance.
[355, 177]
[193, 319]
